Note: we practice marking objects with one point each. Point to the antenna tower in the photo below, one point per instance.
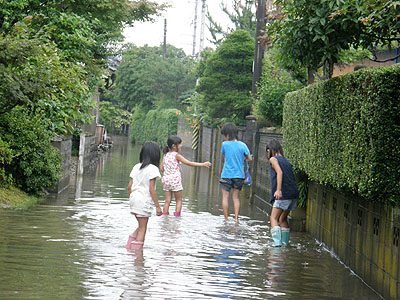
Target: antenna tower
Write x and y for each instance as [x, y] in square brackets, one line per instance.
[195, 29]
[203, 22]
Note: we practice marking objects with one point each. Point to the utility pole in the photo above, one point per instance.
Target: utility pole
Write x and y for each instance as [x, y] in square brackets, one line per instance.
[195, 29]
[259, 49]
[203, 22]
[165, 39]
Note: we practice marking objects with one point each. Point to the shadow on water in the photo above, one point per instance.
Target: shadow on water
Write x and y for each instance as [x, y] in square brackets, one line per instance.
[72, 247]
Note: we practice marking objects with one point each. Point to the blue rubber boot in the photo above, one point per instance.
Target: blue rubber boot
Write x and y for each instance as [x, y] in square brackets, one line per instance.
[276, 236]
[285, 236]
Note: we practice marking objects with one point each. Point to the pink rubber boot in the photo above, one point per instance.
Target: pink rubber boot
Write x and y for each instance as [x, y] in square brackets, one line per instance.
[130, 240]
[177, 214]
[135, 245]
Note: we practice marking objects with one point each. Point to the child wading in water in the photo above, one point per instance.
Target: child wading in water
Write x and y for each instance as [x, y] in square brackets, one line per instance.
[232, 176]
[172, 178]
[142, 192]
[284, 193]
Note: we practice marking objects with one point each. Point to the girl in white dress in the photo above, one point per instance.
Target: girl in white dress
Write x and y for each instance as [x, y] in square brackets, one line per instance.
[142, 192]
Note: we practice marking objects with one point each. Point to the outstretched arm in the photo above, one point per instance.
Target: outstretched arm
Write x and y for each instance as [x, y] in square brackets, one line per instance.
[183, 160]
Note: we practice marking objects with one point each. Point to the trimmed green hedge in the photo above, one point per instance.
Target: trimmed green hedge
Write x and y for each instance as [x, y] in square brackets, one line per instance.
[345, 132]
[155, 125]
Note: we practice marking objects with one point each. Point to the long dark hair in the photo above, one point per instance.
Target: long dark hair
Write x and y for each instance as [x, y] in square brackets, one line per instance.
[274, 147]
[172, 140]
[230, 130]
[150, 154]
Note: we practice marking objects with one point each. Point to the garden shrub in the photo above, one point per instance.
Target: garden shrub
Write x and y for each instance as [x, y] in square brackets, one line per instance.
[5, 160]
[275, 83]
[155, 125]
[36, 164]
[344, 132]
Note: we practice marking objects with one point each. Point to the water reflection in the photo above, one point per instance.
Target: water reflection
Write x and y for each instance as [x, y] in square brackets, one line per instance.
[73, 247]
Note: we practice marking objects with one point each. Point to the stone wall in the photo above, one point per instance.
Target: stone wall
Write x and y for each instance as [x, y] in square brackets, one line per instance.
[64, 146]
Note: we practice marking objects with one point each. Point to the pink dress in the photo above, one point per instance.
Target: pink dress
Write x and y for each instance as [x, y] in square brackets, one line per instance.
[172, 179]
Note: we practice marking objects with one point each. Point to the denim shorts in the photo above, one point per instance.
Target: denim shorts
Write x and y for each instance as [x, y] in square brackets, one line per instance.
[231, 183]
[285, 204]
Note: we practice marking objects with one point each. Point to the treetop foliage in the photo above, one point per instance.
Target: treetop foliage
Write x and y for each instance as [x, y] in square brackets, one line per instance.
[145, 77]
[227, 78]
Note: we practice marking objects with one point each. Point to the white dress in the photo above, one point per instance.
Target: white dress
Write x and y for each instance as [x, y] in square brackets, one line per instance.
[140, 200]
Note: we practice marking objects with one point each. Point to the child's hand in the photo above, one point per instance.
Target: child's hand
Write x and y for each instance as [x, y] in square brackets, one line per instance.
[278, 195]
[158, 211]
[206, 164]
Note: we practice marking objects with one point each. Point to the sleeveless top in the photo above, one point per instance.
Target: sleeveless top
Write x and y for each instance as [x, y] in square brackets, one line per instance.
[289, 186]
[172, 178]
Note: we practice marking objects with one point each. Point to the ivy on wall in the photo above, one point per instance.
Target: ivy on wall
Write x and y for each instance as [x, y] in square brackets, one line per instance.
[345, 132]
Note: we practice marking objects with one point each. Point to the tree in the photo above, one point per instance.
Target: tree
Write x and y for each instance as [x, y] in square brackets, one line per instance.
[145, 78]
[379, 22]
[32, 75]
[314, 33]
[242, 17]
[105, 18]
[275, 83]
[309, 37]
[227, 79]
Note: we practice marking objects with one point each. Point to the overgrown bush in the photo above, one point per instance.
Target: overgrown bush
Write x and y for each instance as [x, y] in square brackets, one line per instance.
[155, 125]
[275, 83]
[345, 132]
[35, 164]
[5, 160]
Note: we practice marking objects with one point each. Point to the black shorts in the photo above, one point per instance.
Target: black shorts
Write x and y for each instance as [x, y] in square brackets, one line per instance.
[231, 183]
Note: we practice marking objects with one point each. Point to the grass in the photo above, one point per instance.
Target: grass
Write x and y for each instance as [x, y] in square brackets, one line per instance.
[14, 198]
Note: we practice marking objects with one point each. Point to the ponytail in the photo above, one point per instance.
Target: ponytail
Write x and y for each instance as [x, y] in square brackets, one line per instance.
[172, 140]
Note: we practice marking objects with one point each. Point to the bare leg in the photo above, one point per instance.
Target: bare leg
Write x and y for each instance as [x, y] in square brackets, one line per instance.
[167, 203]
[283, 219]
[225, 203]
[178, 199]
[141, 231]
[275, 214]
[236, 203]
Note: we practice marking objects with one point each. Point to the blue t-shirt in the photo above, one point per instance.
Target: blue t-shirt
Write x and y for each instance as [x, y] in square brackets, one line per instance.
[235, 153]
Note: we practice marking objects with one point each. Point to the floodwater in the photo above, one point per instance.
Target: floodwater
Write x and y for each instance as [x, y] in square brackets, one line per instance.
[73, 247]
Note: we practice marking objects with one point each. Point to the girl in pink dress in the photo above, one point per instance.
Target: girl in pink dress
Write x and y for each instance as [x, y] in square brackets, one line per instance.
[172, 178]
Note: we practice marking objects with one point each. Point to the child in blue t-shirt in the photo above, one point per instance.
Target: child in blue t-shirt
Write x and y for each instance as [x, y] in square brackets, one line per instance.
[235, 153]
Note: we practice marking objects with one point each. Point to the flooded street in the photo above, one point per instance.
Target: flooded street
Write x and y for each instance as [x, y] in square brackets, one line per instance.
[73, 247]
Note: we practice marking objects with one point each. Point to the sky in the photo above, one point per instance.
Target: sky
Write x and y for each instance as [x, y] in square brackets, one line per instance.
[180, 27]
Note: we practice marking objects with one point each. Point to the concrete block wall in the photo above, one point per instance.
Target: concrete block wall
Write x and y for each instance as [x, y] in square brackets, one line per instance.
[64, 146]
[365, 235]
